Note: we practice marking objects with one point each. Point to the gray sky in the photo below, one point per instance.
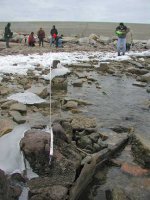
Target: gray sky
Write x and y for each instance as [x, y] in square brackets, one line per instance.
[137, 11]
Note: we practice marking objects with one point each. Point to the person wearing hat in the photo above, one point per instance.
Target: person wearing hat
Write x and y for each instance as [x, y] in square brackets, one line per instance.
[121, 32]
[8, 34]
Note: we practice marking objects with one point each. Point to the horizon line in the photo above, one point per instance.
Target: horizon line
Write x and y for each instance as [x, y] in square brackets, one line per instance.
[3, 21]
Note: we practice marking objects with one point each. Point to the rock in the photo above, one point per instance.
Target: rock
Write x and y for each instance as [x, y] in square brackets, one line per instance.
[148, 90]
[3, 186]
[66, 159]
[17, 117]
[146, 77]
[82, 66]
[89, 168]
[18, 107]
[134, 170]
[84, 142]
[55, 63]
[84, 40]
[37, 120]
[141, 149]
[70, 40]
[6, 126]
[17, 177]
[8, 191]
[80, 122]
[94, 37]
[137, 71]
[103, 67]
[77, 83]
[39, 90]
[112, 137]
[67, 127]
[118, 194]
[104, 40]
[139, 84]
[54, 192]
[137, 64]
[101, 144]
[59, 83]
[33, 143]
[4, 90]
[70, 105]
[96, 147]
[7, 104]
[94, 137]
[87, 159]
[59, 132]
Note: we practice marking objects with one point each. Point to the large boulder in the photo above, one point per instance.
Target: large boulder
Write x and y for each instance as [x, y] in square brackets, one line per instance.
[35, 146]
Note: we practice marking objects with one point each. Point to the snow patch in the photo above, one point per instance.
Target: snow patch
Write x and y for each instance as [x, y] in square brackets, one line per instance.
[26, 98]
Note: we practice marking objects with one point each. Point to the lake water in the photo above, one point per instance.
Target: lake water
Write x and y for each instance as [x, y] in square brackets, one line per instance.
[141, 31]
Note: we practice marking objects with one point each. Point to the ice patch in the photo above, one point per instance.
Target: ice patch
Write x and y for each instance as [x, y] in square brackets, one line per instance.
[59, 71]
[20, 63]
[11, 158]
[26, 98]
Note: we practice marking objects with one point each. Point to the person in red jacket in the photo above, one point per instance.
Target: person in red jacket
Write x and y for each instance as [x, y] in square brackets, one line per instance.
[41, 36]
[31, 40]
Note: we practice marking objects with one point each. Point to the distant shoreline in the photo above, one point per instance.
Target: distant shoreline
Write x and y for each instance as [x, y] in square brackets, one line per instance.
[69, 28]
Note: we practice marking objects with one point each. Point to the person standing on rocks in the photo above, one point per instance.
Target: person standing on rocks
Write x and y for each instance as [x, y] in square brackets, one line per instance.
[8, 34]
[41, 36]
[54, 34]
[121, 32]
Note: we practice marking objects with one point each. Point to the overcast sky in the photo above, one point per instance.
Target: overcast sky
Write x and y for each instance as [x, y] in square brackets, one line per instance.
[137, 11]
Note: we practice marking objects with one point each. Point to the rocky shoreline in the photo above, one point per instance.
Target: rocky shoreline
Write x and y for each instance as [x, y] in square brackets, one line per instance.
[83, 144]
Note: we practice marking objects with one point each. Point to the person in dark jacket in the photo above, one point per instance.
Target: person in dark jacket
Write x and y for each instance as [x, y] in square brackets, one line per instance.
[31, 40]
[121, 32]
[41, 36]
[54, 34]
[8, 34]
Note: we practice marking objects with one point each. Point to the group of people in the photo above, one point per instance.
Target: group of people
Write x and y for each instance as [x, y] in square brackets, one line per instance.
[125, 38]
[55, 39]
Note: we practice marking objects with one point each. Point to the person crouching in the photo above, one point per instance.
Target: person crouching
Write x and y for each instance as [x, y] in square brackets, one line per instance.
[31, 40]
